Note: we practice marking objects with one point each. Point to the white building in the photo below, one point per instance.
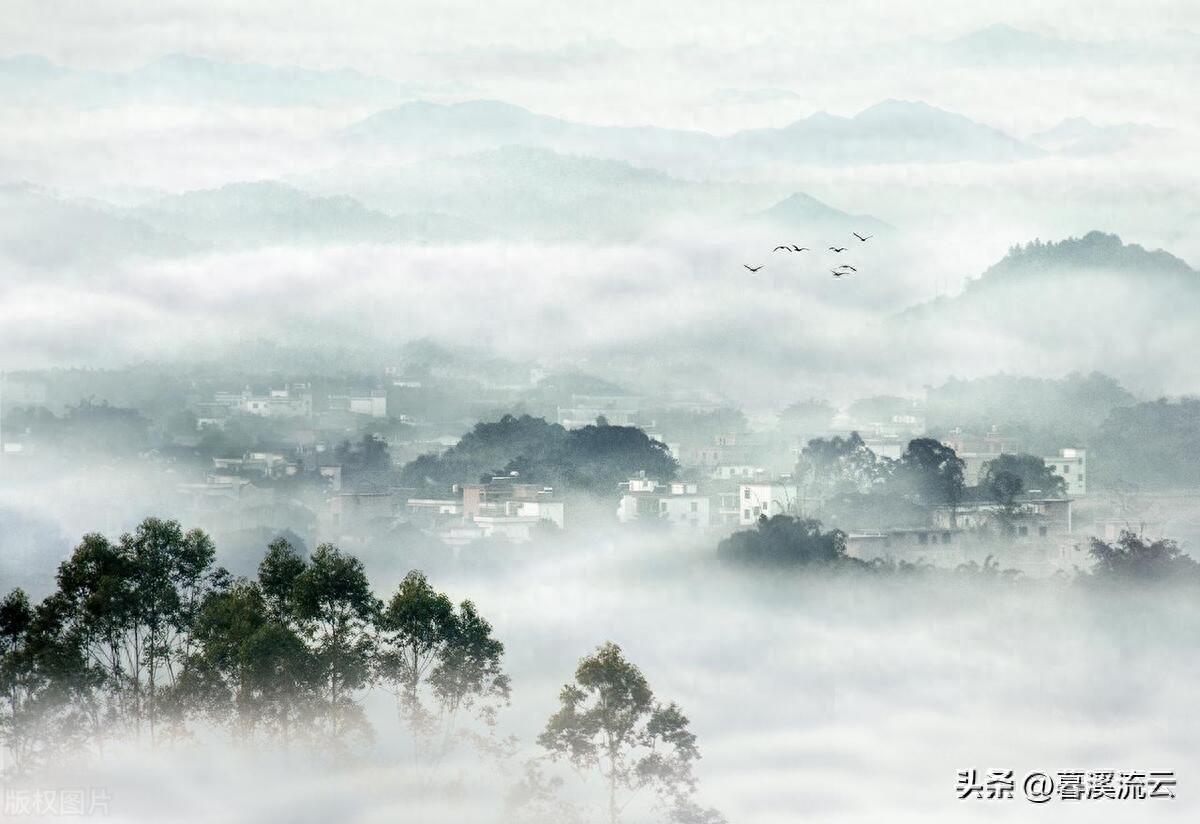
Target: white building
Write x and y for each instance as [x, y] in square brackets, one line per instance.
[766, 499]
[1071, 464]
[677, 503]
[294, 401]
[372, 403]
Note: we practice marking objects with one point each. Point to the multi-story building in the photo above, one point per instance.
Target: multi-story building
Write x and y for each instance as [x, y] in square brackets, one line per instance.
[767, 499]
[1071, 464]
[678, 503]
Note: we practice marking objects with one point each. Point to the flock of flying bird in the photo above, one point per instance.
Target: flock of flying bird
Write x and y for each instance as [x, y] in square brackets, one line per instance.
[840, 271]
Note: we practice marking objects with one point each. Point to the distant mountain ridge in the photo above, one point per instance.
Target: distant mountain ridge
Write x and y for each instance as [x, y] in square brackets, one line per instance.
[800, 209]
[268, 212]
[33, 80]
[1094, 250]
[1071, 269]
[893, 131]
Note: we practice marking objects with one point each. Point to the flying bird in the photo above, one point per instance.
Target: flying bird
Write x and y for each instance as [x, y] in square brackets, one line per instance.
[860, 237]
[752, 268]
[800, 249]
[838, 249]
[784, 248]
[847, 266]
[837, 273]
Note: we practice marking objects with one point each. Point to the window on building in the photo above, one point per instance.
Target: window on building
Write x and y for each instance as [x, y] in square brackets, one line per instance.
[945, 537]
[746, 493]
[746, 514]
[1022, 530]
[922, 538]
[1042, 531]
[695, 506]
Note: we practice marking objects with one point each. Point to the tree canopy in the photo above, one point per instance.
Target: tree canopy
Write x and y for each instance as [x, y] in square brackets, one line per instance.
[594, 458]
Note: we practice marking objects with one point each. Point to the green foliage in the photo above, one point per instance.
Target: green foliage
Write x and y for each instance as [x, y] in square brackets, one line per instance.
[1005, 477]
[784, 541]
[929, 472]
[609, 722]
[837, 465]
[438, 660]
[132, 605]
[1151, 445]
[369, 454]
[594, 458]
[1134, 558]
[1043, 413]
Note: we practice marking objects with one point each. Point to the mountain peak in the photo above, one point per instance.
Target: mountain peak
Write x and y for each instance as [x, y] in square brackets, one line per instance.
[1094, 250]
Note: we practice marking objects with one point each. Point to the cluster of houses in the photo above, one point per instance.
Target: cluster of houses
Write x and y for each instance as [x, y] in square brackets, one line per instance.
[294, 400]
[729, 481]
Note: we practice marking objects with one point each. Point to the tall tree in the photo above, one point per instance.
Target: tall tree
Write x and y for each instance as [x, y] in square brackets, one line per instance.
[133, 605]
[335, 610]
[1030, 470]
[931, 473]
[837, 465]
[251, 667]
[47, 689]
[609, 722]
[439, 660]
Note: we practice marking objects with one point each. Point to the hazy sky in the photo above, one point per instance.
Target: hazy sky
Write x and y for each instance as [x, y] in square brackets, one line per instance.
[712, 66]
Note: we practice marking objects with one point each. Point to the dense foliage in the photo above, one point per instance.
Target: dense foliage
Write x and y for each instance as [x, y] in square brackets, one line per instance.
[145, 635]
[594, 458]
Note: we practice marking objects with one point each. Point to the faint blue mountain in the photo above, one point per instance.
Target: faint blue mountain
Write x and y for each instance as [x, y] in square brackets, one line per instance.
[538, 193]
[894, 131]
[270, 213]
[1079, 136]
[800, 210]
[179, 78]
[890, 132]
[39, 229]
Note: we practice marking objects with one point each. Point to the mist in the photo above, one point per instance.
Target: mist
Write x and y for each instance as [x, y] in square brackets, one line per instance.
[834, 364]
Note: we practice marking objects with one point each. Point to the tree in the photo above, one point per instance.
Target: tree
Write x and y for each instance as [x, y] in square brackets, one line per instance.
[334, 608]
[133, 605]
[831, 466]
[432, 654]
[784, 541]
[46, 686]
[931, 473]
[1151, 445]
[250, 666]
[1004, 487]
[593, 458]
[370, 454]
[1133, 557]
[1029, 470]
[609, 722]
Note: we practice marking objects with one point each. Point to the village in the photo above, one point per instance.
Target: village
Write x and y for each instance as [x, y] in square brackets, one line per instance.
[340, 464]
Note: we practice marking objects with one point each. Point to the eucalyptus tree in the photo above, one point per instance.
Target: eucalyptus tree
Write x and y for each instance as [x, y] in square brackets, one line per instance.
[331, 602]
[46, 688]
[250, 668]
[132, 605]
[439, 660]
[609, 722]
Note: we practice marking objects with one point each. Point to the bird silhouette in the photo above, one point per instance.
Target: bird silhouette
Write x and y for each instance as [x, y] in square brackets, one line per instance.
[799, 248]
[784, 248]
[847, 266]
[752, 268]
[837, 273]
[860, 237]
[838, 249]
